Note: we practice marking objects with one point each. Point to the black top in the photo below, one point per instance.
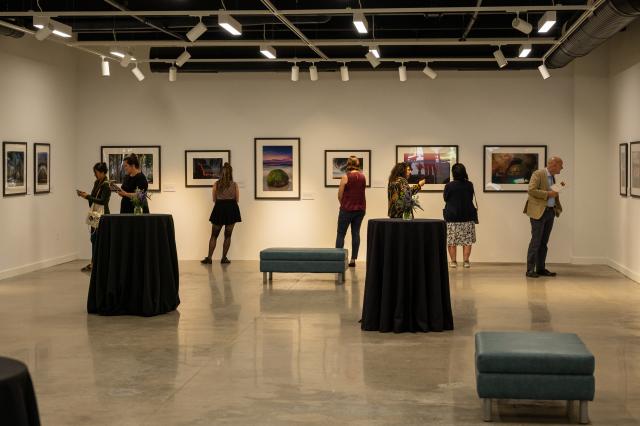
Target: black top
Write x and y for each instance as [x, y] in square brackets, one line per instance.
[458, 196]
[130, 184]
[100, 194]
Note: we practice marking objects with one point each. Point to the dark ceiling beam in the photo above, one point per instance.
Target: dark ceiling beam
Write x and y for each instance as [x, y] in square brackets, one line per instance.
[121, 8]
[403, 59]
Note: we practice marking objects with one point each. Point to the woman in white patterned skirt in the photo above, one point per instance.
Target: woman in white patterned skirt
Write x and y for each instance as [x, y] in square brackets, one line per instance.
[461, 215]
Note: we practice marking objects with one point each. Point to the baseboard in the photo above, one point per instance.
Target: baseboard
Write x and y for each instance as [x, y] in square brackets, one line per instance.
[585, 260]
[633, 275]
[8, 273]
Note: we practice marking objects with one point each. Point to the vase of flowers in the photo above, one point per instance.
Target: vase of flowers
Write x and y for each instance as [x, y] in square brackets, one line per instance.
[138, 199]
[408, 203]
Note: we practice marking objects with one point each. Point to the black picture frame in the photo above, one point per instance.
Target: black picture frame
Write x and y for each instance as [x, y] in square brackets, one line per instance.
[124, 150]
[349, 151]
[524, 187]
[623, 168]
[296, 164]
[634, 169]
[203, 151]
[37, 189]
[5, 189]
[431, 187]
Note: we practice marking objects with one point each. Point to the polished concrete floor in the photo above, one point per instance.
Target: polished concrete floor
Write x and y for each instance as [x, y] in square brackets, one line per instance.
[240, 352]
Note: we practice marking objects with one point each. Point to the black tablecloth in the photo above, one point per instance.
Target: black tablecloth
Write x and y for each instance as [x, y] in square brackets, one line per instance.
[407, 283]
[135, 270]
[18, 405]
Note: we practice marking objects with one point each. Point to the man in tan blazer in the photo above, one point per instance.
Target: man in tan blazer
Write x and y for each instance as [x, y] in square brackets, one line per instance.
[542, 207]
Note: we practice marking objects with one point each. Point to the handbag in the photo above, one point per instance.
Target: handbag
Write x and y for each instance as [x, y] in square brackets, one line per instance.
[95, 213]
[475, 202]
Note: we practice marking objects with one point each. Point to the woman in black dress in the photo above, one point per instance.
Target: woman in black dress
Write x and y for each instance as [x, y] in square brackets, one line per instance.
[100, 194]
[134, 179]
[225, 212]
[460, 214]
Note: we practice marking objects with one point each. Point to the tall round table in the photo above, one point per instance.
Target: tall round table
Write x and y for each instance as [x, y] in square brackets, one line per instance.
[18, 405]
[407, 281]
[135, 270]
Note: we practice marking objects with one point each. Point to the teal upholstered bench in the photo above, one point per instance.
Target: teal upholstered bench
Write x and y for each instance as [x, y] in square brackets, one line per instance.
[534, 365]
[320, 260]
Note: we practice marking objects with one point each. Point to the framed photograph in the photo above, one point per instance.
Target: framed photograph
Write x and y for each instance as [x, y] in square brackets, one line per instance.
[634, 149]
[41, 168]
[148, 155]
[430, 162]
[335, 165]
[14, 168]
[508, 168]
[203, 168]
[277, 168]
[623, 154]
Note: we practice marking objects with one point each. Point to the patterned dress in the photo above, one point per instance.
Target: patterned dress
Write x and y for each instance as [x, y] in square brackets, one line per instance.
[394, 190]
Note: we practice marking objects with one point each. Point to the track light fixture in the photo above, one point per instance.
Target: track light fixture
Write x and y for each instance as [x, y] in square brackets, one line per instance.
[372, 59]
[268, 51]
[295, 72]
[344, 72]
[521, 25]
[547, 21]
[524, 51]
[375, 50]
[183, 58]
[104, 65]
[47, 26]
[544, 72]
[229, 23]
[173, 73]
[195, 32]
[402, 72]
[360, 22]
[136, 71]
[313, 72]
[126, 60]
[500, 59]
[429, 72]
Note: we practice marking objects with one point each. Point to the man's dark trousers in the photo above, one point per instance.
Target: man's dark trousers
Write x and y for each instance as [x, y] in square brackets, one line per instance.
[540, 232]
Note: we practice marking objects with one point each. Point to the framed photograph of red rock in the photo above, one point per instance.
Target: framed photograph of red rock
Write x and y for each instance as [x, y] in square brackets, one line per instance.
[277, 168]
[623, 153]
[634, 151]
[202, 168]
[508, 168]
[335, 165]
[429, 162]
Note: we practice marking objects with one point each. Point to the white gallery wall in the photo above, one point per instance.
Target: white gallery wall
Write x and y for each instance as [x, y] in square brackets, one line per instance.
[372, 111]
[624, 118]
[37, 104]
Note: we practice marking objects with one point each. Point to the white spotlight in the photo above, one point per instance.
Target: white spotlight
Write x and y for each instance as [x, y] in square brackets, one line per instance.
[183, 58]
[229, 23]
[360, 22]
[372, 59]
[195, 32]
[295, 73]
[524, 51]
[136, 71]
[402, 72]
[521, 25]
[544, 72]
[375, 51]
[344, 73]
[105, 67]
[313, 73]
[173, 73]
[500, 59]
[126, 60]
[547, 21]
[268, 51]
[429, 72]
[44, 32]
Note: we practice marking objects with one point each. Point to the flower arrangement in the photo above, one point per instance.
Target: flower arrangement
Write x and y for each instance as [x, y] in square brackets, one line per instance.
[138, 199]
[408, 203]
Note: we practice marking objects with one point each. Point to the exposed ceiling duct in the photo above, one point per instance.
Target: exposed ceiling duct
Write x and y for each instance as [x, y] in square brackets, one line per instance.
[6, 29]
[607, 20]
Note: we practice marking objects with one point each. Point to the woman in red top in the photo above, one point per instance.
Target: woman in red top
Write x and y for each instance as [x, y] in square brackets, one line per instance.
[352, 206]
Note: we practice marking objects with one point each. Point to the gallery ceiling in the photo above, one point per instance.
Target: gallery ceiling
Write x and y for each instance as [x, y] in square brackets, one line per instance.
[461, 35]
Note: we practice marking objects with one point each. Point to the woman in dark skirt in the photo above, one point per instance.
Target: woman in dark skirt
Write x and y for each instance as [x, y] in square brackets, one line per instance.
[225, 212]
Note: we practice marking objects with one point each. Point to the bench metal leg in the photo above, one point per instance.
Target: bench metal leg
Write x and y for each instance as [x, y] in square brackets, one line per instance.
[270, 276]
[486, 409]
[569, 408]
[264, 278]
[583, 419]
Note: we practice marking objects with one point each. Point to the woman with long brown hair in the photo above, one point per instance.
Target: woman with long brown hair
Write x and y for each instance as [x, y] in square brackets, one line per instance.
[398, 184]
[353, 205]
[225, 212]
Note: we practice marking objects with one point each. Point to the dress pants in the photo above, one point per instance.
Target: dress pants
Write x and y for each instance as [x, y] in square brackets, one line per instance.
[355, 220]
[540, 232]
